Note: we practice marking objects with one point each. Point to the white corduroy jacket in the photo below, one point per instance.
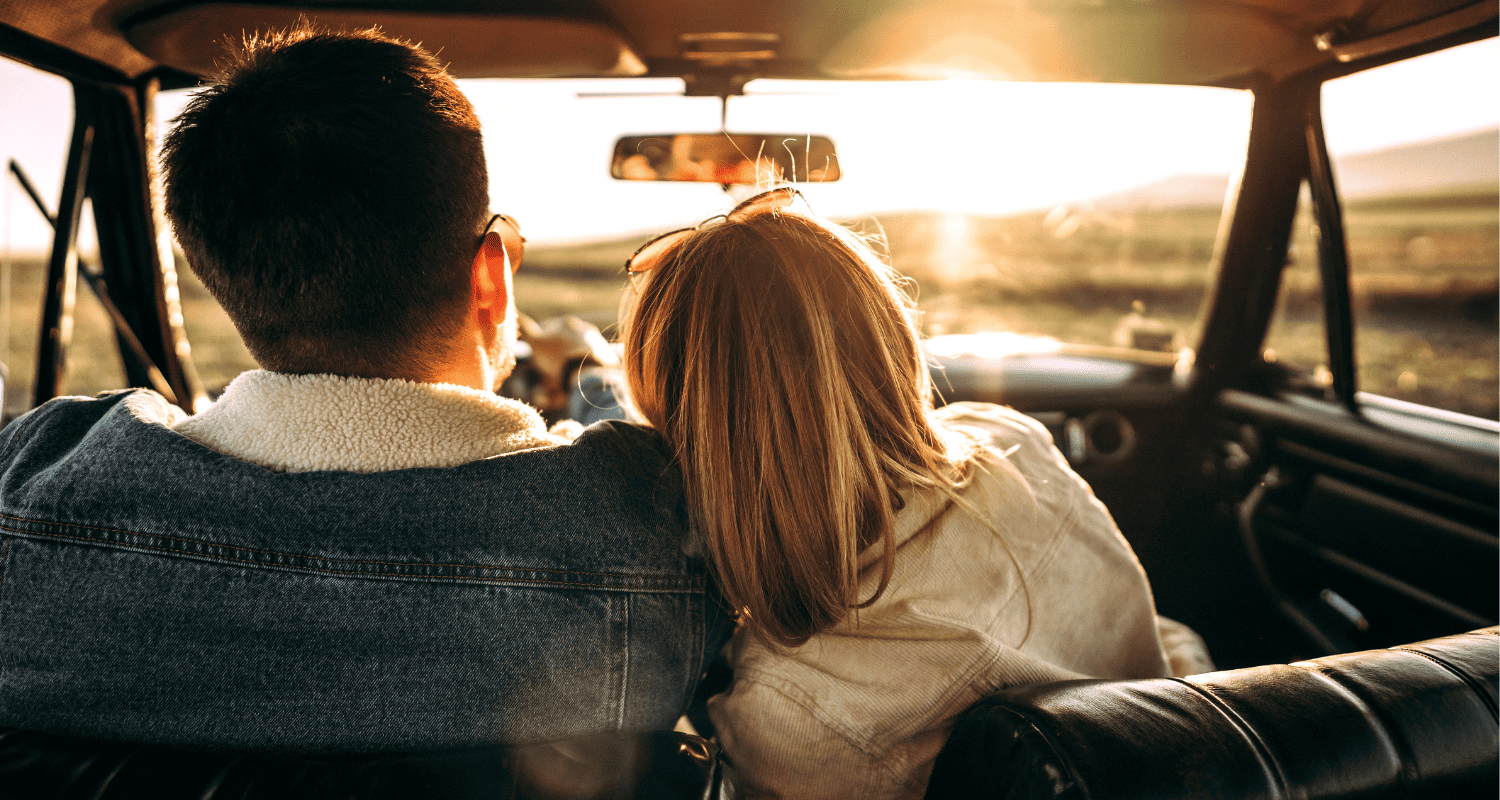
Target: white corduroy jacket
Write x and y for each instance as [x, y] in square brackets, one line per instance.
[860, 711]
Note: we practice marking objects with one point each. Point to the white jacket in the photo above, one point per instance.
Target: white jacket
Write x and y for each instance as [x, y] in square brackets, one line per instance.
[861, 710]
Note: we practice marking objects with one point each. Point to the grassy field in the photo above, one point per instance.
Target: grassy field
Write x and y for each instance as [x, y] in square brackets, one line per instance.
[1424, 282]
[1423, 275]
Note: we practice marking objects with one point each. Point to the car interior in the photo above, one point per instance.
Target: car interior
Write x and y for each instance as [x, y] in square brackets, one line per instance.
[1275, 365]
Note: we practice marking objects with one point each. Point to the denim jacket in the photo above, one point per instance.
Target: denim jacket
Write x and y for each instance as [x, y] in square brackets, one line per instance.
[153, 589]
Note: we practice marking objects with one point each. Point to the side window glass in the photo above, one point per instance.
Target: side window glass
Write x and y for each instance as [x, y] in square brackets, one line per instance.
[1414, 150]
[218, 352]
[36, 118]
[94, 363]
[1296, 340]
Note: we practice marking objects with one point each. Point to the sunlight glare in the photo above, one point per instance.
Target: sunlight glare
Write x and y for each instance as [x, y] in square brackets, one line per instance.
[954, 251]
[1432, 105]
[994, 344]
[973, 146]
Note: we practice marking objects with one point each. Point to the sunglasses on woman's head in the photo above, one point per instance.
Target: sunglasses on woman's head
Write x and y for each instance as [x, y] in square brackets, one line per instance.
[510, 238]
[645, 257]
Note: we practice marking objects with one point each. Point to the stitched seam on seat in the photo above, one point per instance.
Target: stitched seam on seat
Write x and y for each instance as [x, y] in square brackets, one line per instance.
[103, 790]
[1469, 680]
[276, 552]
[217, 782]
[363, 573]
[1279, 783]
[1380, 724]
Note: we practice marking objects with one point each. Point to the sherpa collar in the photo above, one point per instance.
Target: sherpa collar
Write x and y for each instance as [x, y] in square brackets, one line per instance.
[302, 423]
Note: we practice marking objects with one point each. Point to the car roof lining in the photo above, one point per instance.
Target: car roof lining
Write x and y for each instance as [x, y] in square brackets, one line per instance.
[193, 38]
[1205, 42]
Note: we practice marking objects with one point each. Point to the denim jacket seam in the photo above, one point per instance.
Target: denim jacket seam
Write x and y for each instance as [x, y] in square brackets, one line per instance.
[700, 656]
[329, 559]
[624, 664]
[4, 562]
[4, 565]
[354, 573]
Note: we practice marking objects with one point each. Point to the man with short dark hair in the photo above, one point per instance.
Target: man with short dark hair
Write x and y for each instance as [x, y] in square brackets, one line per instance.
[330, 194]
[360, 547]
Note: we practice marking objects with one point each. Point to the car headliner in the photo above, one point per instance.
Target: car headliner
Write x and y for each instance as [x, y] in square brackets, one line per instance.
[716, 46]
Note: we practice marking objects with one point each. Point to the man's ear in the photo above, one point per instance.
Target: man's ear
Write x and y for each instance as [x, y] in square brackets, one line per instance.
[491, 277]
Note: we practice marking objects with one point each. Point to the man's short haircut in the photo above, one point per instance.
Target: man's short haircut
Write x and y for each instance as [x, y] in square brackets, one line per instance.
[329, 190]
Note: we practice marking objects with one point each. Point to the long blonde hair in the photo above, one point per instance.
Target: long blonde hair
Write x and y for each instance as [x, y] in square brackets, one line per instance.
[779, 358]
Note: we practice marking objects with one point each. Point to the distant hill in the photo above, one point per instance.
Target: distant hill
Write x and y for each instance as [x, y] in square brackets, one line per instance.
[1176, 191]
[1466, 164]
[1457, 168]
[1459, 164]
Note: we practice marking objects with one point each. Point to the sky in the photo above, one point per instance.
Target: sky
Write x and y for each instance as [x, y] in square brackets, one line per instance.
[961, 146]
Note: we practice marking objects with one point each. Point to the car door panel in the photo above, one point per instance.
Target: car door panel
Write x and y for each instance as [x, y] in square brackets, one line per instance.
[1365, 535]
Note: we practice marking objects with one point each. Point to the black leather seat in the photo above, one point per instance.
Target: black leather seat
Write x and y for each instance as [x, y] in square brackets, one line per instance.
[1413, 721]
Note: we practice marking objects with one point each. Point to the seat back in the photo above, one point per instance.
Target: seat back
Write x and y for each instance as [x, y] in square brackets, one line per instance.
[1412, 721]
[667, 765]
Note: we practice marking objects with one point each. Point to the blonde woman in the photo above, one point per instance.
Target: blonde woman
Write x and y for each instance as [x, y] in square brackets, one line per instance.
[890, 563]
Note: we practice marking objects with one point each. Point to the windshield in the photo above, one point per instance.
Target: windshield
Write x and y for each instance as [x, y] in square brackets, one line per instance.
[1078, 213]
[1055, 210]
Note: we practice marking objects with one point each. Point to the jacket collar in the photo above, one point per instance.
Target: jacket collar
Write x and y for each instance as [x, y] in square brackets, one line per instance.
[303, 423]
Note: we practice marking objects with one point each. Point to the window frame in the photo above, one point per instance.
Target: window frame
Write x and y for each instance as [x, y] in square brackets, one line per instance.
[1413, 419]
[110, 163]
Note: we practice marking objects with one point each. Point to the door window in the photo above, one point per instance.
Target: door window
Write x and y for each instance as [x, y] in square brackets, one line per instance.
[1414, 151]
[1297, 339]
[36, 118]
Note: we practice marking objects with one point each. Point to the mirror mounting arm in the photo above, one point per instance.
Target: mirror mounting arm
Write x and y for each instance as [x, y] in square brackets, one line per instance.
[722, 84]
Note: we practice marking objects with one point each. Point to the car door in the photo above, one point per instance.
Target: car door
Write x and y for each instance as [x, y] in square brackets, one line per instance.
[1364, 436]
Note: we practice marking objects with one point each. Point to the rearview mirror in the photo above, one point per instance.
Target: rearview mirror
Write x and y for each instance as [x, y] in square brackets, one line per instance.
[747, 158]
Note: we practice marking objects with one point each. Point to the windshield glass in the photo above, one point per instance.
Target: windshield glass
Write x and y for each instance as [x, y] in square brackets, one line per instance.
[1082, 212]
[1078, 213]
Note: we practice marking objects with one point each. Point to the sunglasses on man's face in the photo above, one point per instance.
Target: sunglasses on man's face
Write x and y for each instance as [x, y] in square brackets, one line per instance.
[510, 238]
[646, 256]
